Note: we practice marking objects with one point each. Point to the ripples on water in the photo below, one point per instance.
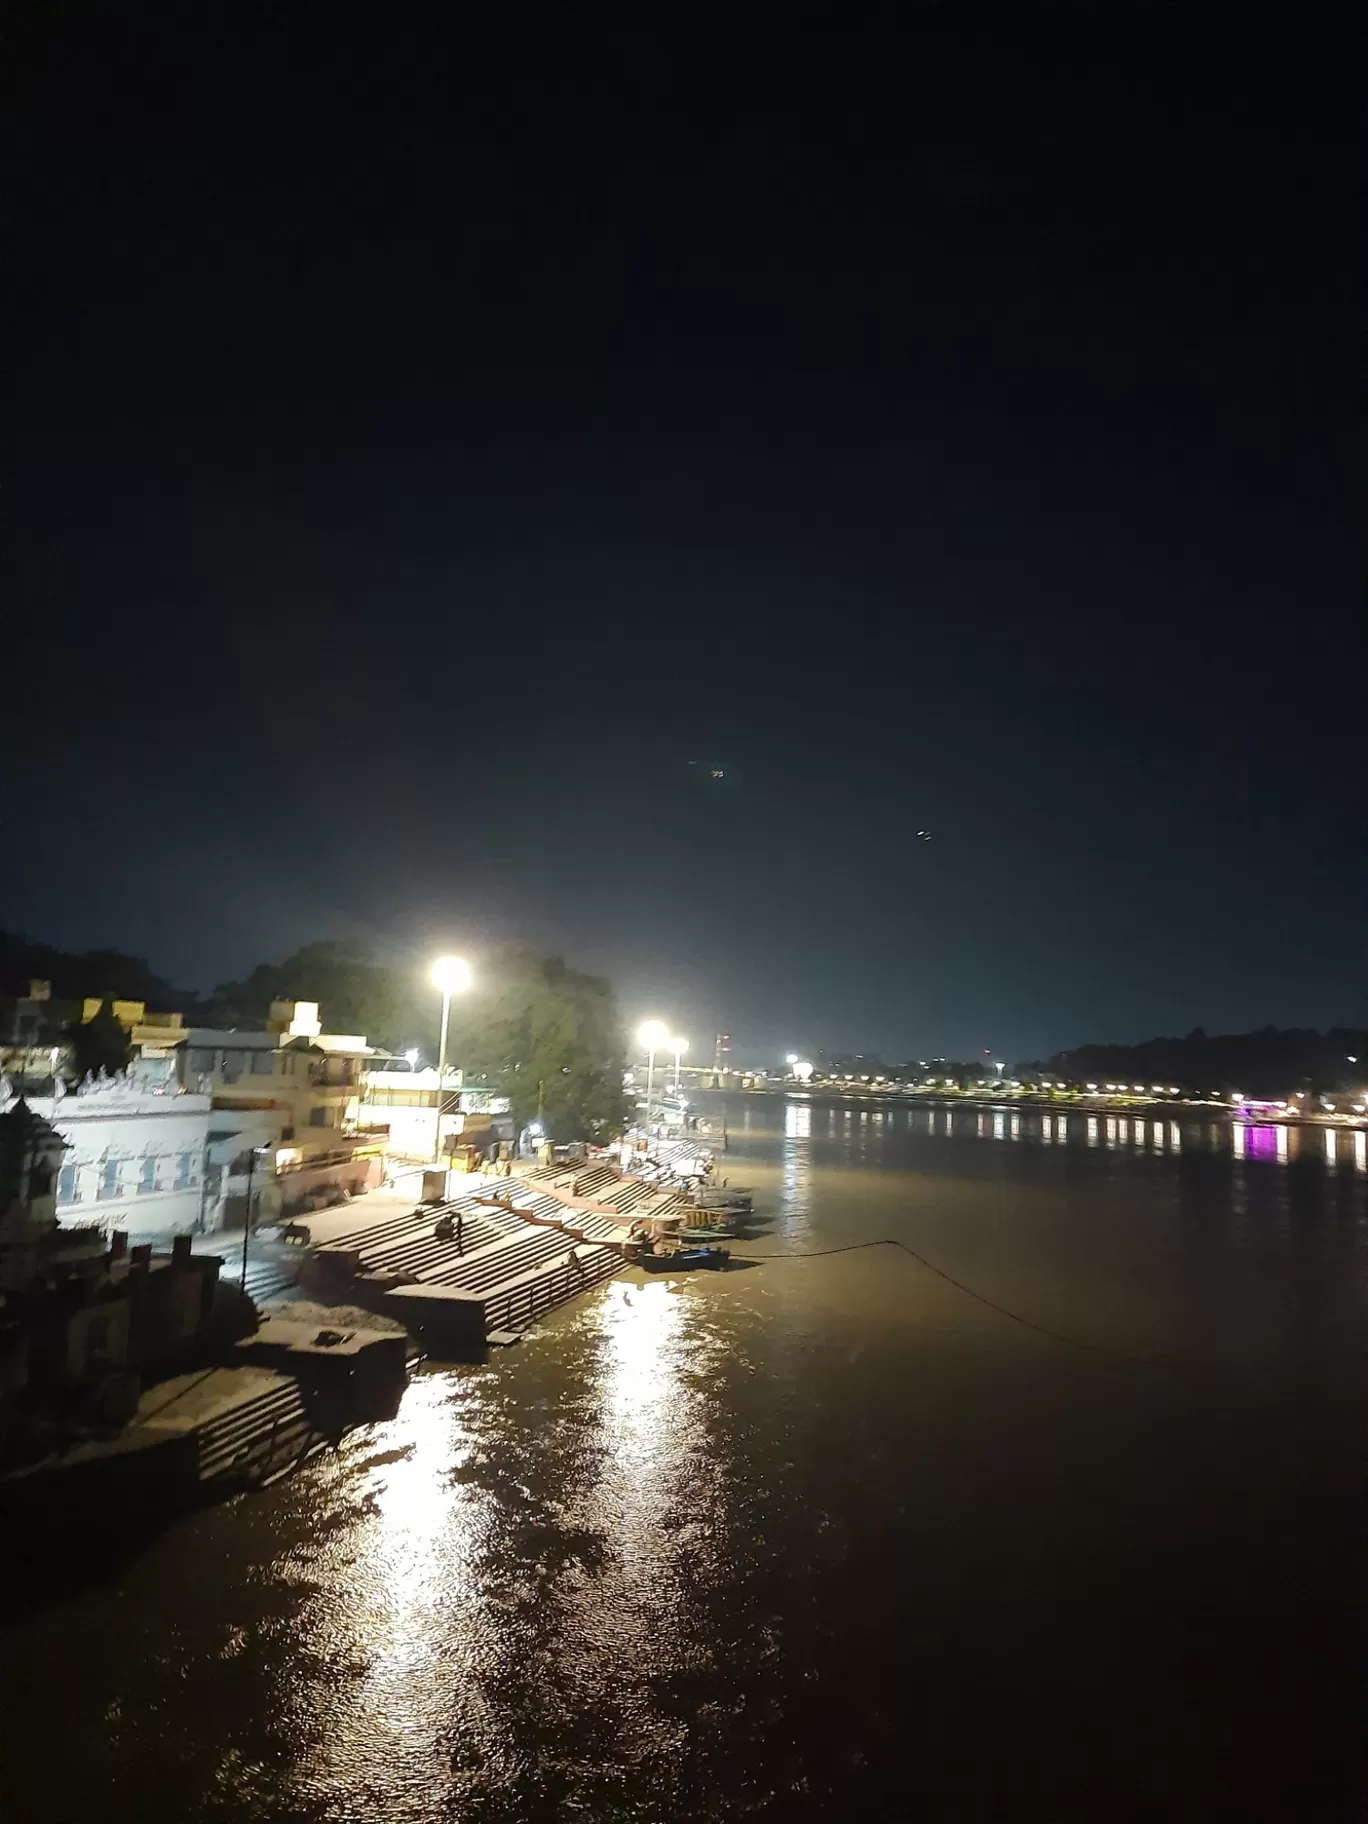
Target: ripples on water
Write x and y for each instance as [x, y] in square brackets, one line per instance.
[806, 1539]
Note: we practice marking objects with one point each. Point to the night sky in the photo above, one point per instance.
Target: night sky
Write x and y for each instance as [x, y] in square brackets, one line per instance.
[424, 444]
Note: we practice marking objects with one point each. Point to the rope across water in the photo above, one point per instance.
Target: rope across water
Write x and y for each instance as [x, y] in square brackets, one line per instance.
[1027, 1323]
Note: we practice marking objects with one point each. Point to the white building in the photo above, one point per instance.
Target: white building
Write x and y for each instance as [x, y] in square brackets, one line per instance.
[285, 1107]
[135, 1155]
[402, 1098]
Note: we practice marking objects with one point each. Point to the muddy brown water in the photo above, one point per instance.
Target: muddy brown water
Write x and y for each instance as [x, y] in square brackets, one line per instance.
[811, 1539]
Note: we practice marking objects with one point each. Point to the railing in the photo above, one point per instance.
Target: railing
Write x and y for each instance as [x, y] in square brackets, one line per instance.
[516, 1305]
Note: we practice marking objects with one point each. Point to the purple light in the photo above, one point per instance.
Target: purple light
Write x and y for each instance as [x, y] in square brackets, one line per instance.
[1261, 1143]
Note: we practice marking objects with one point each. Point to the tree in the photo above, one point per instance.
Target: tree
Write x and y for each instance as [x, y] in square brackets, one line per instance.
[549, 1038]
[99, 1044]
[94, 972]
[354, 994]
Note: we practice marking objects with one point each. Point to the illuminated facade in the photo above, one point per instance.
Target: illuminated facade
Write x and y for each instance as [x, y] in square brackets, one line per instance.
[290, 1095]
[135, 1154]
[402, 1099]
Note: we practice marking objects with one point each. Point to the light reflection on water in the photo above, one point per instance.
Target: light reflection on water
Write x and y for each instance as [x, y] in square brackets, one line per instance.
[790, 1540]
[413, 1562]
[1256, 1141]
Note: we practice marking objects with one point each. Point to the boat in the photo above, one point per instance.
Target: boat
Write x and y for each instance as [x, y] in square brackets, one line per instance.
[722, 1199]
[681, 1259]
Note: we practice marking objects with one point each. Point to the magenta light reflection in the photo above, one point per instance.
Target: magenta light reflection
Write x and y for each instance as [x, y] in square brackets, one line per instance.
[1261, 1142]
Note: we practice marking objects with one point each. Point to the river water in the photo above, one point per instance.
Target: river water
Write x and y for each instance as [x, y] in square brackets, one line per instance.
[810, 1538]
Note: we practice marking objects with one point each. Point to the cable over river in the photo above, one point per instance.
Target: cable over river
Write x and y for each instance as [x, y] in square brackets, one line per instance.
[1059, 1519]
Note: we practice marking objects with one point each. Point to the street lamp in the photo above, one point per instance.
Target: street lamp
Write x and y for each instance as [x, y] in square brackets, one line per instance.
[253, 1154]
[678, 1046]
[452, 975]
[654, 1035]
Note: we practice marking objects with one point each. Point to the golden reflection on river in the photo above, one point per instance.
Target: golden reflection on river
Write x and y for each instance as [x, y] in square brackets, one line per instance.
[468, 1572]
[386, 1626]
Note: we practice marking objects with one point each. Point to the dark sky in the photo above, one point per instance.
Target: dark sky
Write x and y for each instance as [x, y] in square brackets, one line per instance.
[423, 443]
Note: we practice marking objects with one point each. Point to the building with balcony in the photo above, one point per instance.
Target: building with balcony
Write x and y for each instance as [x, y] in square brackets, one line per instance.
[285, 1104]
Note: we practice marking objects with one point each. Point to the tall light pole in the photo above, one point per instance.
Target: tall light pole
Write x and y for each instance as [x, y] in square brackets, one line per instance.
[678, 1046]
[654, 1035]
[252, 1154]
[452, 975]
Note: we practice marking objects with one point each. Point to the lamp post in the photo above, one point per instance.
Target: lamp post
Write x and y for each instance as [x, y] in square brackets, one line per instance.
[452, 975]
[678, 1046]
[654, 1035]
[252, 1152]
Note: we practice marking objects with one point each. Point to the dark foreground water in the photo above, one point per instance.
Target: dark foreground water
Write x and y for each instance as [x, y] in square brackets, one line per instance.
[820, 1538]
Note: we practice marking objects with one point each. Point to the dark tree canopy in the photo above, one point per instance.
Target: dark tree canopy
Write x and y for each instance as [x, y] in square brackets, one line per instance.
[99, 1044]
[549, 1037]
[1269, 1062]
[354, 993]
[76, 976]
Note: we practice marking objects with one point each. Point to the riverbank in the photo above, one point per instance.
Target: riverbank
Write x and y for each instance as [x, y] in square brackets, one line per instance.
[1060, 1102]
